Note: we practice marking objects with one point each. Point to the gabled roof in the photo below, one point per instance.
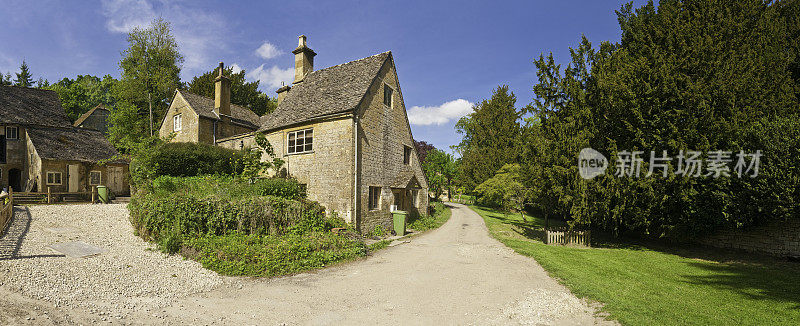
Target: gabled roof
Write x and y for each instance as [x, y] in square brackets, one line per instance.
[71, 144]
[88, 114]
[31, 106]
[332, 90]
[204, 107]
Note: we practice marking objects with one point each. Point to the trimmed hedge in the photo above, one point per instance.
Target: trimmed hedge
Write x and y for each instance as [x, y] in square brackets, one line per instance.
[157, 217]
[185, 160]
[227, 187]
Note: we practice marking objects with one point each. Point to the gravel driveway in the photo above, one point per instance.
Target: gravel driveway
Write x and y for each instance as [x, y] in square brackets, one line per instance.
[130, 277]
[456, 274]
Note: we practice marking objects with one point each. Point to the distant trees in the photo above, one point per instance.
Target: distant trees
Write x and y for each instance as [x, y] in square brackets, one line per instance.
[24, 77]
[491, 135]
[84, 93]
[440, 170]
[243, 93]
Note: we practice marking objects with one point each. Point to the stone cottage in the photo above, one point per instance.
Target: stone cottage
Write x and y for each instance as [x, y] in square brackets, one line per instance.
[94, 119]
[40, 149]
[343, 132]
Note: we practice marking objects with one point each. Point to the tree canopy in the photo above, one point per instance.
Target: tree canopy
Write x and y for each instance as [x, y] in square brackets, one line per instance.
[243, 93]
[84, 93]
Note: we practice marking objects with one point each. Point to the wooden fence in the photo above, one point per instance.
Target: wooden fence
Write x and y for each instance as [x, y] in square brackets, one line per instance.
[6, 210]
[55, 197]
[564, 236]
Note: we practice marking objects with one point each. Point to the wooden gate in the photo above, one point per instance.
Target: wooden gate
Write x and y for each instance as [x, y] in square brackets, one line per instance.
[565, 236]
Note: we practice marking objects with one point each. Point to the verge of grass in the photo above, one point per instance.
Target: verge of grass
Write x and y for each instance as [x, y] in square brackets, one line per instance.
[441, 213]
[655, 284]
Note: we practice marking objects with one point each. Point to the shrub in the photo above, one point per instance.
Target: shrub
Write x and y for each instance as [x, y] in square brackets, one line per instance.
[184, 160]
[266, 255]
[227, 187]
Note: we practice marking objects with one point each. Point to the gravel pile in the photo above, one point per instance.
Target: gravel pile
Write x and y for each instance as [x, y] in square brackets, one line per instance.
[131, 276]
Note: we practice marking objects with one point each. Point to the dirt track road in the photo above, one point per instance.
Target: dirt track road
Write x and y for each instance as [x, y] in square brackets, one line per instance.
[455, 275]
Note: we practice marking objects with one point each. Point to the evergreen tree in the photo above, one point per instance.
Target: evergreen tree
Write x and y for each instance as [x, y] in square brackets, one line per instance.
[24, 77]
[5, 80]
[243, 93]
[490, 138]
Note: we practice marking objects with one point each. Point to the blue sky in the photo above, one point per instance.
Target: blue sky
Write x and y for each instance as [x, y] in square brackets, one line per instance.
[449, 55]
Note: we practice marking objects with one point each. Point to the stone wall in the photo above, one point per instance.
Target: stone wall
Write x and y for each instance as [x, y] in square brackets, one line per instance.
[16, 156]
[777, 239]
[190, 122]
[383, 133]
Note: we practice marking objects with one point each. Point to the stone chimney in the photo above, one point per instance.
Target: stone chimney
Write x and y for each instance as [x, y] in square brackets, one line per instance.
[222, 93]
[282, 92]
[303, 60]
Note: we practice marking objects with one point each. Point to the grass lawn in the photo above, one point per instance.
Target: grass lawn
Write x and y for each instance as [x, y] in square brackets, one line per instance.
[652, 284]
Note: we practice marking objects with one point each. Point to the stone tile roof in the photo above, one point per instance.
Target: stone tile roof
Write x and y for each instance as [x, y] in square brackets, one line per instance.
[204, 107]
[31, 106]
[327, 91]
[71, 144]
[88, 114]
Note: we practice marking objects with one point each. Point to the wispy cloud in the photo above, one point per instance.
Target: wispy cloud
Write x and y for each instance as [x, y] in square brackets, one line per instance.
[271, 77]
[267, 51]
[198, 33]
[437, 115]
[236, 68]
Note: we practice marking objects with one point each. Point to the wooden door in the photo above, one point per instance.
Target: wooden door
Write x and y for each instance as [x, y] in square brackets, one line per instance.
[115, 179]
[74, 177]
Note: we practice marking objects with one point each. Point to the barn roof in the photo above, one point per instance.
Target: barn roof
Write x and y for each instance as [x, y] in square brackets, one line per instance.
[332, 90]
[31, 106]
[88, 114]
[71, 144]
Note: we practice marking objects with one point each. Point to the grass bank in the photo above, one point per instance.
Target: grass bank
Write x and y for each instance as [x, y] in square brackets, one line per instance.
[654, 284]
[441, 214]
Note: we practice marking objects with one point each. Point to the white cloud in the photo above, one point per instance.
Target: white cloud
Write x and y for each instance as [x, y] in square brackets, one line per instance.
[271, 77]
[199, 34]
[437, 115]
[236, 68]
[267, 51]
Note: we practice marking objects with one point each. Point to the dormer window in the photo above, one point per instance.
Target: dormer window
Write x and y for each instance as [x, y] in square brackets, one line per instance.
[177, 122]
[387, 95]
[12, 133]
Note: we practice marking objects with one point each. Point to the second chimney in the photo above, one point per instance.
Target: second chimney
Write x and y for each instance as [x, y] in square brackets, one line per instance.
[303, 60]
[222, 93]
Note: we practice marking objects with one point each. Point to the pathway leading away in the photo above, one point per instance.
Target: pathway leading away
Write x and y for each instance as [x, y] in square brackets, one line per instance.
[456, 274]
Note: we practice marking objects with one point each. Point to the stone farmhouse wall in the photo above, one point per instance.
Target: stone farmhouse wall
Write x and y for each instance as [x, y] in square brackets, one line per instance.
[190, 123]
[383, 133]
[16, 151]
[778, 239]
[327, 171]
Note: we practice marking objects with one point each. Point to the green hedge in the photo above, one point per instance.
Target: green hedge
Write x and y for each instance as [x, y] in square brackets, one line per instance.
[227, 187]
[185, 160]
[157, 217]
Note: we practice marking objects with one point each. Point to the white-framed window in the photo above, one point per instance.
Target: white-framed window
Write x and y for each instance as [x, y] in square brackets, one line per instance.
[374, 198]
[177, 122]
[53, 178]
[387, 95]
[95, 178]
[300, 141]
[12, 133]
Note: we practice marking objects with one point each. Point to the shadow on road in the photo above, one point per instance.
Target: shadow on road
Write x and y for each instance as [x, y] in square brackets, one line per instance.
[11, 241]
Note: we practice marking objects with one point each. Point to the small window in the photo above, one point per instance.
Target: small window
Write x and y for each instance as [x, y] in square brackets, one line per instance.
[12, 133]
[177, 122]
[95, 178]
[406, 155]
[374, 197]
[301, 141]
[387, 95]
[54, 178]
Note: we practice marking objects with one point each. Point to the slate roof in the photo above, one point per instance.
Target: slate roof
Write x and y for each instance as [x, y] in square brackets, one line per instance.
[88, 114]
[327, 91]
[31, 106]
[71, 144]
[204, 107]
